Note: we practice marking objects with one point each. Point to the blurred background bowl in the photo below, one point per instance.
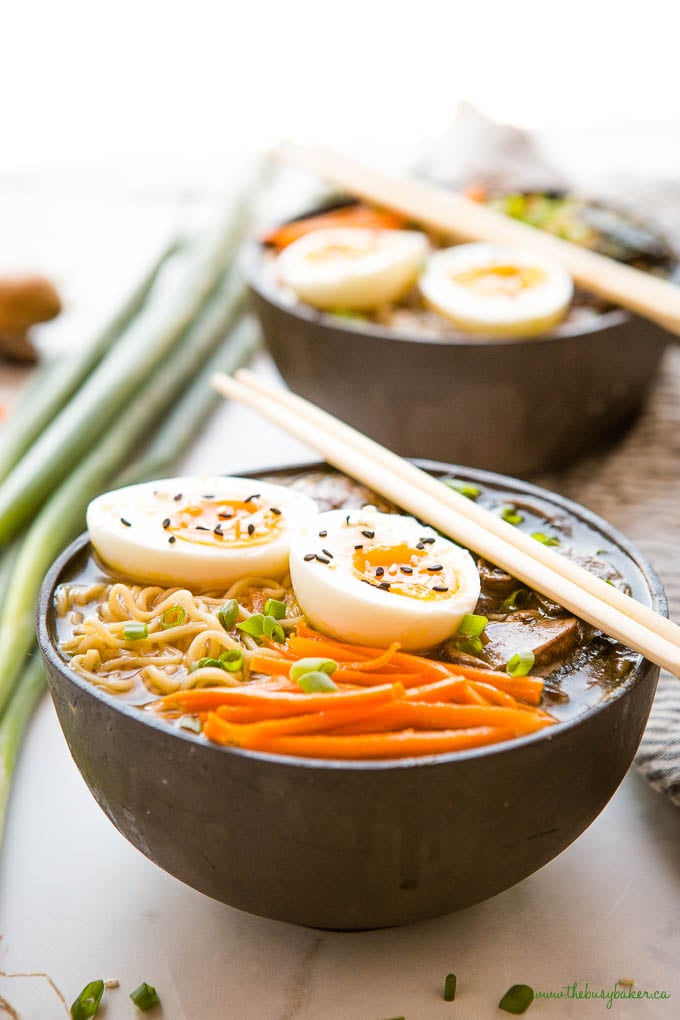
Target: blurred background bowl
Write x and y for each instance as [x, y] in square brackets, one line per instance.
[515, 405]
[353, 845]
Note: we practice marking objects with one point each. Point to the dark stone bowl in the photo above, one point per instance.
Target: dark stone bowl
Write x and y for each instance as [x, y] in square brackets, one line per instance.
[518, 405]
[352, 845]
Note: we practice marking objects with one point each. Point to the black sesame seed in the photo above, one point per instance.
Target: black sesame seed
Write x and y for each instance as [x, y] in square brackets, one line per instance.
[358, 546]
[406, 570]
[249, 499]
[177, 497]
[385, 586]
[347, 519]
[322, 559]
[226, 517]
[434, 568]
[172, 540]
[275, 510]
[379, 571]
[126, 523]
[368, 534]
[427, 541]
[326, 552]
[439, 587]
[208, 495]
[202, 527]
[166, 522]
[322, 534]
[420, 546]
[218, 530]
[251, 529]
[366, 581]
[309, 557]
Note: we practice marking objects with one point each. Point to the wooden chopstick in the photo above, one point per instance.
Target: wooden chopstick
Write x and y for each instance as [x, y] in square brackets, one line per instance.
[458, 217]
[466, 508]
[426, 503]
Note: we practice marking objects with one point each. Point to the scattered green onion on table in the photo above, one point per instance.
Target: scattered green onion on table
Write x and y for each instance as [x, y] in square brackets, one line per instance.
[208, 335]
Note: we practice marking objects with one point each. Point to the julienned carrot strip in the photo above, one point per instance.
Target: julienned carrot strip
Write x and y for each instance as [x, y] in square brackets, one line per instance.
[205, 699]
[270, 665]
[493, 695]
[406, 744]
[359, 653]
[310, 722]
[402, 715]
[451, 688]
[523, 687]
[350, 216]
[357, 676]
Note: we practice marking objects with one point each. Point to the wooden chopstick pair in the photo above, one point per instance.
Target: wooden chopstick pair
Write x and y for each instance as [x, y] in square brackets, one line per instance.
[538, 566]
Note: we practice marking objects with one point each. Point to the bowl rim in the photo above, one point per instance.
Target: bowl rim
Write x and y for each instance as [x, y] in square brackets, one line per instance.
[658, 600]
[251, 269]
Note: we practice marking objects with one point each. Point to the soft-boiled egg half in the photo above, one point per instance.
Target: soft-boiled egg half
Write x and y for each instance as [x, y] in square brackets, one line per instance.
[373, 578]
[496, 289]
[352, 267]
[200, 532]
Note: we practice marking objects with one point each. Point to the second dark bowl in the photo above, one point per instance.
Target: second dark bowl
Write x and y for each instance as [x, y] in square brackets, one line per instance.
[519, 405]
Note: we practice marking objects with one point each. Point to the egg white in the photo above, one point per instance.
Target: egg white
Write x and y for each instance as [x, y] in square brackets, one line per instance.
[335, 599]
[141, 548]
[352, 267]
[535, 309]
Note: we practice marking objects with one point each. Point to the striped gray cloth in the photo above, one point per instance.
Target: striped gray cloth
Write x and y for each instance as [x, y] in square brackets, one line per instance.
[636, 483]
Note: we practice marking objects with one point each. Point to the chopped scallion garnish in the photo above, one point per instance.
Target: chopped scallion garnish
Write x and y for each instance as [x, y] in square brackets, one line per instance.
[316, 683]
[145, 997]
[87, 1003]
[511, 515]
[206, 663]
[273, 607]
[518, 600]
[173, 616]
[521, 663]
[540, 536]
[310, 665]
[472, 625]
[135, 630]
[271, 628]
[470, 645]
[228, 614]
[464, 488]
[253, 625]
[517, 999]
[450, 987]
[232, 660]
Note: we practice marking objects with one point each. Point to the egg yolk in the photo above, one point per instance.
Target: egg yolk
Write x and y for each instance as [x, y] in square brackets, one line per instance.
[216, 522]
[500, 281]
[404, 570]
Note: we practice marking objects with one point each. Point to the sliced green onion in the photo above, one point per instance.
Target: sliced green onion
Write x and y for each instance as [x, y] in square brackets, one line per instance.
[173, 616]
[145, 997]
[303, 666]
[518, 600]
[521, 663]
[511, 515]
[206, 663]
[464, 488]
[135, 630]
[228, 614]
[87, 1003]
[253, 625]
[471, 645]
[540, 536]
[273, 607]
[316, 682]
[232, 660]
[517, 999]
[472, 625]
[190, 722]
[271, 628]
[450, 987]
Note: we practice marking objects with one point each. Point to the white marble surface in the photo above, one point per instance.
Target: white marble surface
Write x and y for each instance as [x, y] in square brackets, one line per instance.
[78, 902]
